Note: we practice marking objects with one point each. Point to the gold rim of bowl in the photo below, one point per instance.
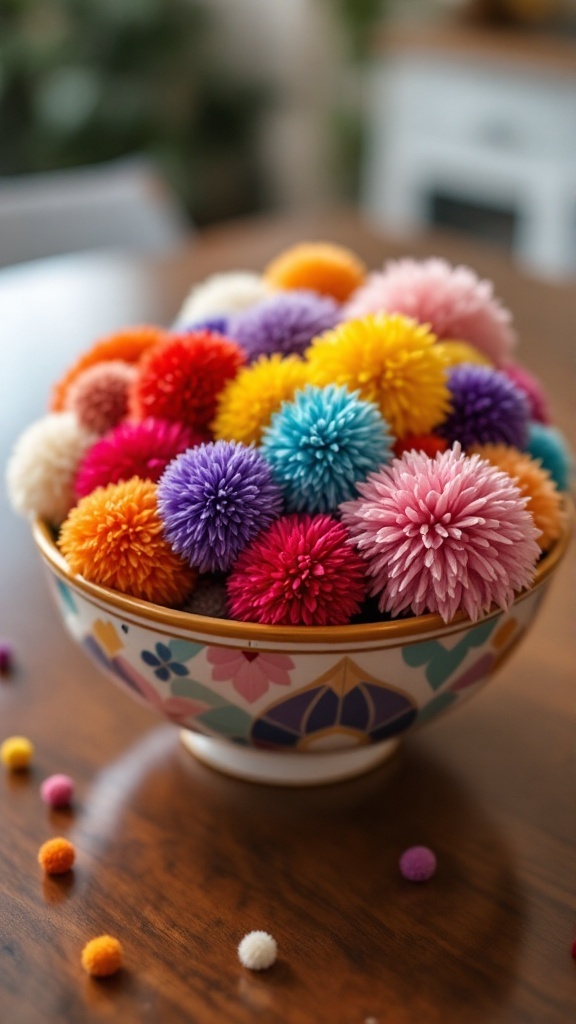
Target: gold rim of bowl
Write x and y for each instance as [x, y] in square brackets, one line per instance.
[250, 632]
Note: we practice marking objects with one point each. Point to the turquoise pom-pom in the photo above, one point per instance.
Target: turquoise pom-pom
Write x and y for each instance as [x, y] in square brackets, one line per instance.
[549, 445]
[322, 443]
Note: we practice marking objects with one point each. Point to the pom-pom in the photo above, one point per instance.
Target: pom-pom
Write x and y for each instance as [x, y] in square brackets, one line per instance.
[456, 352]
[321, 444]
[181, 380]
[453, 301]
[486, 408]
[246, 404]
[257, 951]
[549, 446]
[16, 753]
[229, 292]
[56, 856]
[443, 534]
[217, 324]
[57, 790]
[531, 387]
[102, 956]
[285, 323]
[99, 395]
[134, 449]
[213, 499]
[208, 598]
[113, 537]
[319, 267]
[535, 484]
[127, 346]
[41, 470]
[430, 444]
[418, 864]
[301, 571]
[391, 361]
[6, 658]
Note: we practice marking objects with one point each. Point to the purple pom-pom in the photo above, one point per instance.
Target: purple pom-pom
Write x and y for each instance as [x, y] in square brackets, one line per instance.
[418, 863]
[487, 408]
[215, 498]
[285, 323]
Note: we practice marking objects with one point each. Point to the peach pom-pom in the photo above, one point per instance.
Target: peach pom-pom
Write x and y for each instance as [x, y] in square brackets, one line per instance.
[42, 468]
[56, 856]
[318, 266]
[534, 483]
[114, 537]
[99, 395]
[128, 345]
[102, 956]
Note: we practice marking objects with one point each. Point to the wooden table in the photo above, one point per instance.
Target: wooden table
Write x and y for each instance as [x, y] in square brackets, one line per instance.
[179, 862]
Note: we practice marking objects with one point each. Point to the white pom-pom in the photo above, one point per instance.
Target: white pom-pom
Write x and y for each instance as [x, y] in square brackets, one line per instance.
[221, 294]
[257, 951]
[41, 470]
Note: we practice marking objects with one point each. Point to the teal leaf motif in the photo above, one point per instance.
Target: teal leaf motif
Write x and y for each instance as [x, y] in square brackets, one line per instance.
[196, 691]
[228, 721]
[184, 650]
[66, 595]
[441, 661]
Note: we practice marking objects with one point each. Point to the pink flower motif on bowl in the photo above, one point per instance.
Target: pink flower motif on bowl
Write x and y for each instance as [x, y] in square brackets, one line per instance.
[250, 672]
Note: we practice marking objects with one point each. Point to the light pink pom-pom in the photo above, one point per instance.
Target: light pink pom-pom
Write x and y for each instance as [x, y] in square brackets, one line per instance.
[99, 395]
[443, 534]
[452, 300]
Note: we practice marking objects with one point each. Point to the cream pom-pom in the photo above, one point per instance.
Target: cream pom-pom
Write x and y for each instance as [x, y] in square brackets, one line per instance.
[222, 294]
[257, 951]
[41, 470]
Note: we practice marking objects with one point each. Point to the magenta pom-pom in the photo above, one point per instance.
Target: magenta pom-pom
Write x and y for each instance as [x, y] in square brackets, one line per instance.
[418, 864]
[301, 571]
[531, 387]
[134, 449]
[57, 790]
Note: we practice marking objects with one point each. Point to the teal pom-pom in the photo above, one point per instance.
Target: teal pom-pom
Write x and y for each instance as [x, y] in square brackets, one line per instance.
[549, 445]
[321, 444]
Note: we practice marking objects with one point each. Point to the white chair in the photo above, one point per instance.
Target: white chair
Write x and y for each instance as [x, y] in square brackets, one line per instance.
[120, 205]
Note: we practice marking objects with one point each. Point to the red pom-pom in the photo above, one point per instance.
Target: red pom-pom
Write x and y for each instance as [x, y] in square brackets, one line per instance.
[181, 379]
[134, 449]
[430, 444]
[301, 571]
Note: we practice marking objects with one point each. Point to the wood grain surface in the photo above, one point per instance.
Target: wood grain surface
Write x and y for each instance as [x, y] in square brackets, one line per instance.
[179, 862]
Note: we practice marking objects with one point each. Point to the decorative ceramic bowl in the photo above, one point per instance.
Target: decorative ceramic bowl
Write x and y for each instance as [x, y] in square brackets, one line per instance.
[289, 705]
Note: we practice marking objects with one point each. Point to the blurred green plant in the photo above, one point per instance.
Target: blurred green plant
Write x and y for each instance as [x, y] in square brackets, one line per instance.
[84, 81]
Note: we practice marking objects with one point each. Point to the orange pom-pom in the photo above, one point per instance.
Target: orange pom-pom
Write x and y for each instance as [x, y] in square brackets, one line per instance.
[102, 956]
[183, 379]
[535, 483]
[127, 345]
[430, 444]
[114, 537]
[56, 856]
[319, 266]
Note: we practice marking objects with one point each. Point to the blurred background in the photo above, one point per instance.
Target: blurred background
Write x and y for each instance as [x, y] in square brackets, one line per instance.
[133, 123]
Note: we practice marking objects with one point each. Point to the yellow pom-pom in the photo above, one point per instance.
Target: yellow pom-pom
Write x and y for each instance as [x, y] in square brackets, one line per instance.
[320, 266]
[102, 956]
[534, 482]
[114, 537]
[16, 752]
[56, 856]
[247, 403]
[456, 352]
[392, 361]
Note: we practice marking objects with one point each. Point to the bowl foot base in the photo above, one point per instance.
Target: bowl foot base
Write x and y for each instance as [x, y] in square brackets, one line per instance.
[286, 769]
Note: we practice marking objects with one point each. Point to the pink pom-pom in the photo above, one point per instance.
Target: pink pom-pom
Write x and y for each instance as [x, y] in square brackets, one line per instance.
[442, 535]
[57, 790]
[453, 301]
[418, 864]
[532, 388]
[134, 449]
[99, 395]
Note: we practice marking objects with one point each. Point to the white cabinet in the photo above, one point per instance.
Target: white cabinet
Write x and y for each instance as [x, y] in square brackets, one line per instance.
[481, 132]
